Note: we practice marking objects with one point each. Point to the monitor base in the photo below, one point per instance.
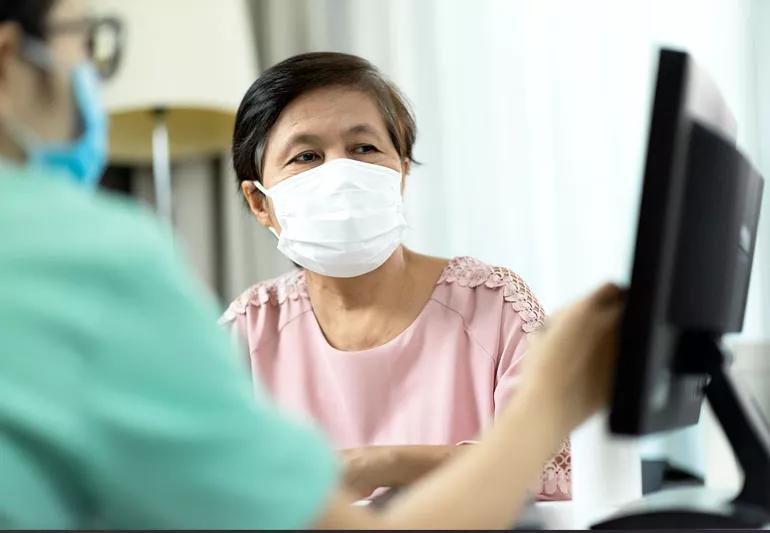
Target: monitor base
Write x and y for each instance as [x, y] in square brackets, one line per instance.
[748, 433]
[687, 508]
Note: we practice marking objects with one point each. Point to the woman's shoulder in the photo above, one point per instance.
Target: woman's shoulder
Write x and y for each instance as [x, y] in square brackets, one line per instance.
[269, 295]
[467, 275]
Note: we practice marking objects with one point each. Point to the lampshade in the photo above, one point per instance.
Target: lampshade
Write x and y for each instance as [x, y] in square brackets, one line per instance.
[192, 58]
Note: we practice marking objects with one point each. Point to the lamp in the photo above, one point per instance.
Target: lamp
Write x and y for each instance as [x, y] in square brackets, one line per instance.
[185, 68]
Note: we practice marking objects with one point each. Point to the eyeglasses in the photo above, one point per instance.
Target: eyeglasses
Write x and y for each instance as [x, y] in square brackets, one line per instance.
[104, 40]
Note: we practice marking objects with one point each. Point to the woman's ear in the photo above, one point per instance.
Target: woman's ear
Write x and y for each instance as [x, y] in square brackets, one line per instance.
[405, 167]
[258, 203]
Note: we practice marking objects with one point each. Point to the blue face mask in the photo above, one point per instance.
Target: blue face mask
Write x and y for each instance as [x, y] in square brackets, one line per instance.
[84, 158]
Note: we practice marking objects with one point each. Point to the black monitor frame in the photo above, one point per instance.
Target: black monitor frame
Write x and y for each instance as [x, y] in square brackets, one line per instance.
[643, 330]
[669, 344]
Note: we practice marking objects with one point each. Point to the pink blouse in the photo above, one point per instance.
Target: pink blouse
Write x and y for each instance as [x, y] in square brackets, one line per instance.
[441, 381]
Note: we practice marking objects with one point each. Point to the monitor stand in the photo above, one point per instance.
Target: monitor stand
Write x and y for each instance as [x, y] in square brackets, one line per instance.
[749, 437]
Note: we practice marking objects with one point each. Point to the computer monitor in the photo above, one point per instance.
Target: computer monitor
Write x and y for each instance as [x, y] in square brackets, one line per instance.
[690, 277]
[694, 247]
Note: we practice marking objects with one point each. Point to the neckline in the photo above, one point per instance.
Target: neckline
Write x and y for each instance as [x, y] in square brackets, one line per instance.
[380, 348]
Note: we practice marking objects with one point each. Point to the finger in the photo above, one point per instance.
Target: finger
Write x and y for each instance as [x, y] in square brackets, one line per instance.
[603, 321]
[587, 308]
[608, 346]
[610, 313]
[606, 294]
[594, 301]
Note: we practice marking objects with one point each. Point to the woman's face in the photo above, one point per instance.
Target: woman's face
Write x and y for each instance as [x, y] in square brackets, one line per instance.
[42, 101]
[319, 126]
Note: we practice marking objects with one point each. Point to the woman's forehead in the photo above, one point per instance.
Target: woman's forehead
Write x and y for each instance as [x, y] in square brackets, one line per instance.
[329, 109]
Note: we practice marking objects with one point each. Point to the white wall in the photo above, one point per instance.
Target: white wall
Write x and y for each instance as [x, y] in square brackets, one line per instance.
[533, 117]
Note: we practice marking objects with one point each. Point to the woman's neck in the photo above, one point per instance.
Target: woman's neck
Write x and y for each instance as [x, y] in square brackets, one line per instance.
[370, 310]
[382, 287]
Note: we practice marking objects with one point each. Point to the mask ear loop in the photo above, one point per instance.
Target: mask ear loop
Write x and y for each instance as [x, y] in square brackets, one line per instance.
[260, 188]
[264, 191]
[408, 226]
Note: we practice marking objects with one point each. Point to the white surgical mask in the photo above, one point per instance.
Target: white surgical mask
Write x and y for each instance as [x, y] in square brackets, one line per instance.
[340, 219]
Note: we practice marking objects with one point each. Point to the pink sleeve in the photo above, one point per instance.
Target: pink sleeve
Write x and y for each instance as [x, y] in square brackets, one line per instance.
[556, 480]
[513, 347]
[235, 325]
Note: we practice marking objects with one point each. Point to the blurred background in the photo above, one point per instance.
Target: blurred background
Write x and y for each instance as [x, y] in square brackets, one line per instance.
[532, 119]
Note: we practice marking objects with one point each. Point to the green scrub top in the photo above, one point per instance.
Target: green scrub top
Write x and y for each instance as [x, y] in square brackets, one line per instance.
[122, 403]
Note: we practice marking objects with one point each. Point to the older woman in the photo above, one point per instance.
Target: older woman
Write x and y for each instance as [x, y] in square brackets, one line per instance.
[398, 356]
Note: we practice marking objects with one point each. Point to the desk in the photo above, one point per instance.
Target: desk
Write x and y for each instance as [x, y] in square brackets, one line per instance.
[557, 515]
[606, 474]
[570, 515]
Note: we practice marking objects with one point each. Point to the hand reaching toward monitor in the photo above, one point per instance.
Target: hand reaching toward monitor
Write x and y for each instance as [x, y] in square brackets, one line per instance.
[573, 356]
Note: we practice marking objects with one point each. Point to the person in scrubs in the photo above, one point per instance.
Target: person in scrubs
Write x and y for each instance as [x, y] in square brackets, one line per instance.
[122, 405]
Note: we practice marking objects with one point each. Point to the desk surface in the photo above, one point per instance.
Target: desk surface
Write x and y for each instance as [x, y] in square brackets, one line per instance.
[559, 515]
[573, 515]
[554, 515]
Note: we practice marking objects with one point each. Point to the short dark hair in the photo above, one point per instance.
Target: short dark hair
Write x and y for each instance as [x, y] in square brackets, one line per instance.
[279, 85]
[31, 15]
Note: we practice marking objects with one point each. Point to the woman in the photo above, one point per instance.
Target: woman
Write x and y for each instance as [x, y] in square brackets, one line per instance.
[397, 355]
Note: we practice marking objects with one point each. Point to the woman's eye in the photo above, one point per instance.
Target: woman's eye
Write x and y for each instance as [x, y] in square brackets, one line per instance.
[365, 149]
[305, 157]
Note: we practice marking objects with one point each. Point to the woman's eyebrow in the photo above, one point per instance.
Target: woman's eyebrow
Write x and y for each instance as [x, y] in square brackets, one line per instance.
[313, 139]
[363, 128]
[296, 139]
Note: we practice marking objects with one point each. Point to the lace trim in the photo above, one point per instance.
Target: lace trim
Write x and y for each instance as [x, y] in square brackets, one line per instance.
[465, 271]
[470, 272]
[556, 478]
[291, 286]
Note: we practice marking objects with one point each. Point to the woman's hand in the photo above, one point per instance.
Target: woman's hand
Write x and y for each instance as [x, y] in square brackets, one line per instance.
[573, 357]
[371, 467]
[367, 468]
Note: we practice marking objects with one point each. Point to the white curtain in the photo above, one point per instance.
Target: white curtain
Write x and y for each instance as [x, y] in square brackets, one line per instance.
[532, 118]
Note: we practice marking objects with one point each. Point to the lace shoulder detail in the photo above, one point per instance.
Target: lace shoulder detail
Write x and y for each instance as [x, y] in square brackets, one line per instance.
[556, 478]
[470, 272]
[290, 286]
